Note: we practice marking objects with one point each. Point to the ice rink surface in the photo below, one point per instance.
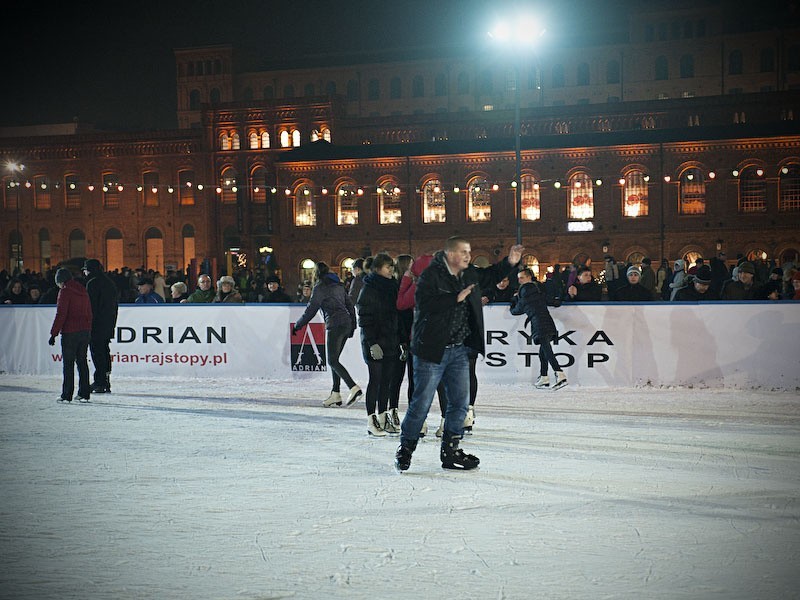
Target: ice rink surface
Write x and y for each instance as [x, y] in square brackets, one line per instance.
[197, 489]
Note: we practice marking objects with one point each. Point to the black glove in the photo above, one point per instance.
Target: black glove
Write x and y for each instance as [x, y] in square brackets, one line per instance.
[52, 340]
[294, 329]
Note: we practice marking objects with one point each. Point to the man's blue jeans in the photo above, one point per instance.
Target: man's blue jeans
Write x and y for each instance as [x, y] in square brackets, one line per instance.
[453, 372]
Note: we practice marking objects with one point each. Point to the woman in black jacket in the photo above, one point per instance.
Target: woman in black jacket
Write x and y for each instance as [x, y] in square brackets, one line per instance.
[380, 341]
[532, 301]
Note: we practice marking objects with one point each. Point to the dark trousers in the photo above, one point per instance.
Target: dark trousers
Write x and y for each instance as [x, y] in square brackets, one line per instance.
[74, 347]
[101, 357]
[336, 340]
[383, 374]
[547, 356]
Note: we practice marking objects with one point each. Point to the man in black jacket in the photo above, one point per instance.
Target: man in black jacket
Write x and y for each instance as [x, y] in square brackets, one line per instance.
[103, 295]
[448, 324]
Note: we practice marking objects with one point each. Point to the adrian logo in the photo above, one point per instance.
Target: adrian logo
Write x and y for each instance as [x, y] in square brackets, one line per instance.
[308, 348]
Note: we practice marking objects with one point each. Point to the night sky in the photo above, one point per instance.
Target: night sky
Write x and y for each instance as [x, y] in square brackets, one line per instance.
[116, 70]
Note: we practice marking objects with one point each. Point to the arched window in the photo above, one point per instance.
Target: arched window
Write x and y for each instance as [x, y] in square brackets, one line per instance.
[326, 134]
[395, 88]
[235, 142]
[463, 83]
[314, 135]
[581, 197]
[558, 76]
[767, 60]
[692, 192]
[440, 85]
[735, 63]
[264, 139]
[433, 202]
[189, 252]
[529, 261]
[531, 206]
[373, 89]
[305, 207]
[150, 189]
[389, 205]
[229, 185]
[77, 243]
[347, 204]
[295, 137]
[224, 142]
[154, 249]
[194, 100]
[418, 87]
[284, 139]
[635, 201]
[115, 258]
[253, 141]
[479, 201]
[41, 192]
[583, 74]
[752, 190]
[612, 71]
[789, 186]
[258, 183]
[662, 68]
[687, 66]
[186, 187]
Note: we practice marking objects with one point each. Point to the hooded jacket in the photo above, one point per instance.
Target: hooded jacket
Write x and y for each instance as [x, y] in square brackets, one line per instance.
[532, 301]
[378, 316]
[329, 295]
[103, 297]
[73, 310]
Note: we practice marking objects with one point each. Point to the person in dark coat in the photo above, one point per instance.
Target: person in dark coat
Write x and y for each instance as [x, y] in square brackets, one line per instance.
[448, 322]
[15, 293]
[633, 292]
[380, 341]
[744, 287]
[357, 282]
[339, 313]
[648, 277]
[698, 288]
[73, 321]
[585, 289]
[531, 300]
[105, 305]
[275, 293]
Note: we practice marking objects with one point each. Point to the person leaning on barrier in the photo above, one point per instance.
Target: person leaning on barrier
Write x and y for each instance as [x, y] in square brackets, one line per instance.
[698, 288]
[204, 291]
[744, 287]
[585, 288]
[226, 291]
[178, 292]
[633, 292]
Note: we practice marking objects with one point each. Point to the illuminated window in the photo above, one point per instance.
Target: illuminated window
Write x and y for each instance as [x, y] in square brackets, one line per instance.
[752, 191]
[326, 134]
[265, 140]
[186, 186]
[314, 135]
[479, 201]
[635, 201]
[72, 192]
[229, 186]
[41, 192]
[692, 192]
[284, 139]
[110, 191]
[433, 202]
[235, 143]
[258, 181]
[150, 188]
[531, 210]
[789, 185]
[224, 142]
[296, 138]
[254, 141]
[531, 262]
[581, 197]
[389, 204]
[347, 205]
[305, 207]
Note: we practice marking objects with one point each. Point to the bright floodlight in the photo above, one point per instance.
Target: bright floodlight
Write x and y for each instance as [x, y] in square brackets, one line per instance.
[523, 31]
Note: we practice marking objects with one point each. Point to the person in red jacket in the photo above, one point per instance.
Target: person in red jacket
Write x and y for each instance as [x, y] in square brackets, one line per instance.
[74, 322]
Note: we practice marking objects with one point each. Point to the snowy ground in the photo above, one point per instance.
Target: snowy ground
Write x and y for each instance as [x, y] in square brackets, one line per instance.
[186, 489]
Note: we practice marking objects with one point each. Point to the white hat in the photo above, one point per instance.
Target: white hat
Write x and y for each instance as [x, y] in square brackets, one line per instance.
[226, 279]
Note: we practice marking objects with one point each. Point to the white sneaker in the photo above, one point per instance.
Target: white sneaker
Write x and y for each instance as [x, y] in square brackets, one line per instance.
[561, 380]
[374, 426]
[335, 399]
[354, 394]
[395, 418]
[440, 430]
[469, 420]
[542, 383]
[424, 431]
[385, 421]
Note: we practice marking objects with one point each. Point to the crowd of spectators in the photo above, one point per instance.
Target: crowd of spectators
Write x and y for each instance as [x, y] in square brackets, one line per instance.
[716, 279]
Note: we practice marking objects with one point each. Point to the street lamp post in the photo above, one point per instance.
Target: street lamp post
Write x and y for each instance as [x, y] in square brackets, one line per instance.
[14, 168]
[522, 35]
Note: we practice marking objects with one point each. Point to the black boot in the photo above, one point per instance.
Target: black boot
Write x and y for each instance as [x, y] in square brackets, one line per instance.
[402, 458]
[454, 457]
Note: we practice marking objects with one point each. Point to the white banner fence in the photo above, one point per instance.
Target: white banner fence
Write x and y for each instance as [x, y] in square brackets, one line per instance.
[739, 345]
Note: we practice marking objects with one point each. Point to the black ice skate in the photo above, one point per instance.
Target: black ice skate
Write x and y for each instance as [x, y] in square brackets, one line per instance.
[454, 457]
